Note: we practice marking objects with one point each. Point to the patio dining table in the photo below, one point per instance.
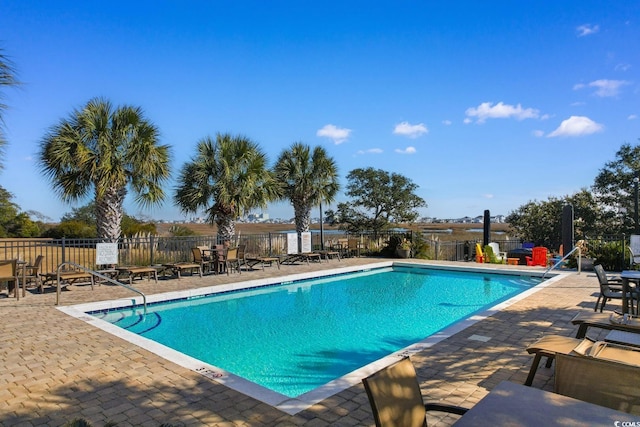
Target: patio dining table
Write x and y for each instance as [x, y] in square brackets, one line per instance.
[511, 404]
[628, 276]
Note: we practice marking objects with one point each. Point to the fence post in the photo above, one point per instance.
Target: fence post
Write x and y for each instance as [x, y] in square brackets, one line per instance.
[270, 248]
[437, 249]
[151, 251]
[64, 257]
[624, 251]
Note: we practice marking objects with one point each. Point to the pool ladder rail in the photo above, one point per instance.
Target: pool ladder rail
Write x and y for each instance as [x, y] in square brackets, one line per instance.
[564, 258]
[99, 275]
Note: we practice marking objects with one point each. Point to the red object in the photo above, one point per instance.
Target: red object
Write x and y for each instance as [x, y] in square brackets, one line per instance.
[538, 256]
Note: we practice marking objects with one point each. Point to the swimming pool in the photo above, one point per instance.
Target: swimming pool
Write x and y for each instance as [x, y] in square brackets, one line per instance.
[291, 344]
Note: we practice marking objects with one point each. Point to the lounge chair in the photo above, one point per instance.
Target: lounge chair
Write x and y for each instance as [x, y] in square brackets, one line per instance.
[328, 254]
[551, 346]
[133, 272]
[395, 397]
[67, 277]
[611, 288]
[178, 268]
[9, 274]
[251, 260]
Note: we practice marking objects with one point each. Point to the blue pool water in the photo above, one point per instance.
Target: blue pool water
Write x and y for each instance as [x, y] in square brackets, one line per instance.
[294, 337]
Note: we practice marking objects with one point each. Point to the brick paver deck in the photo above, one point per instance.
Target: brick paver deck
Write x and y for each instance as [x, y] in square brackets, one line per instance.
[56, 368]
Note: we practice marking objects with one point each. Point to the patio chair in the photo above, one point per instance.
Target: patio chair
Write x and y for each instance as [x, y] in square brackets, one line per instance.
[32, 273]
[480, 256]
[231, 260]
[501, 256]
[206, 253]
[353, 247]
[634, 248]
[9, 274]
[613, 384]
[538, 256]
[491, 257]
[395, 397]
[549, 346]
[609, 290]
[199, 258]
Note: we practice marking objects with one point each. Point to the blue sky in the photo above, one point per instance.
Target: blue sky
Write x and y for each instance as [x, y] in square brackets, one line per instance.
[484, 105]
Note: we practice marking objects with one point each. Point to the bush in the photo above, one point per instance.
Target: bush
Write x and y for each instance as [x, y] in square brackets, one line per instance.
[181, 231]
[389, 251]
[609, 255]
[72, 230]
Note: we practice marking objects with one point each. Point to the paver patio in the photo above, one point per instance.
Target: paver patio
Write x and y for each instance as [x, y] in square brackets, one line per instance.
[57, 368]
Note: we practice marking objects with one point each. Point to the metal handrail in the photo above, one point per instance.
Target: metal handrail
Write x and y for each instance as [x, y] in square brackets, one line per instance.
[577, 248]
[101, 276]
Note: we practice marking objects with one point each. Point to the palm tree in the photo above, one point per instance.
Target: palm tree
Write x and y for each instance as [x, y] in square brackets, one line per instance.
[7, 79]
[108, 151]
[308, 178]
[227, 178]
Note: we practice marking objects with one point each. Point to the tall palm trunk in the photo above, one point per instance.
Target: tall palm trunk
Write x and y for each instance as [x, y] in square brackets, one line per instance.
[302, 212]
[109, 212]
[226, 227]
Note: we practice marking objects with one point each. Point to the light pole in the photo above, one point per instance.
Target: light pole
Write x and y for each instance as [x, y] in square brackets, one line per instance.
[635, 204]
[322, 228]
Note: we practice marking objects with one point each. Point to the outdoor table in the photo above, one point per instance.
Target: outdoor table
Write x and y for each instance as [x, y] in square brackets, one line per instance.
[627, 276]
[23, 268]
[590, 319]
[517, 405]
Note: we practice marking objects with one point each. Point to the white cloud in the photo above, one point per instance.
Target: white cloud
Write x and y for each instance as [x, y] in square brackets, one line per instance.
[488, 196]
[409, 130]
[370, 151]
[538, 133]
[338, 135]
[408, 150]
[604, 87]
[587, 29]
[467, 120]
[487, 110]
[447, 122]
[632, 117]
[576, 126]
[622, 67]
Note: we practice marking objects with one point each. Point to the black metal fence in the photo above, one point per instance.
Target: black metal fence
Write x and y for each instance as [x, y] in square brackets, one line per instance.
[151, 250]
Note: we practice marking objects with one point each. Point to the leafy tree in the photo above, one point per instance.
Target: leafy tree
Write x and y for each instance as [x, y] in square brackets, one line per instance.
[541, 222]
[86, 214]
[309, 178]
[7, 79]
[132, 226]
[129, 225]
[379, 198]
[614, 187]
[14, 223]
[72, 229]
[227, 178]
[108, 151]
